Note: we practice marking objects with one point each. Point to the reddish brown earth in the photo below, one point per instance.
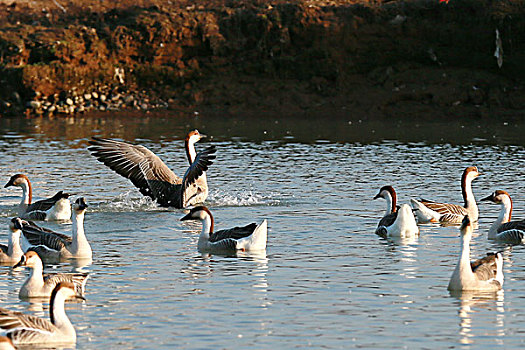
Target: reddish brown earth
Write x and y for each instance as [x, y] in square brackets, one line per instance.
[422, 59]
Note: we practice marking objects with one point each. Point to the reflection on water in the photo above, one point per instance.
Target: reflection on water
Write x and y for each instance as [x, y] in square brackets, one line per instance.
[487, 309]
[325, 281]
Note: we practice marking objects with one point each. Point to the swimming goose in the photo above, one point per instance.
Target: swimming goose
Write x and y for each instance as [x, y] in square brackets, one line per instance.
[53, 246]
[28, 329]
[56, 208]
[39, 285]
[11, 253]
[485, 274]
[428, 211]
[152, 177]
[396, 222]
[249, 237]
[503, 229]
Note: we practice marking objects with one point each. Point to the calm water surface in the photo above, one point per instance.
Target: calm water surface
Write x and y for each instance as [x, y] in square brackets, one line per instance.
[325, 281]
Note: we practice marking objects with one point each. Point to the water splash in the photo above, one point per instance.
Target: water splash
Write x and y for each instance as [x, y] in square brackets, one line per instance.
[242, 198]
[128, 202]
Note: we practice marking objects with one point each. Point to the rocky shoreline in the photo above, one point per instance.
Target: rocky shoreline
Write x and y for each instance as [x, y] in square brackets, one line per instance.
[417, 58]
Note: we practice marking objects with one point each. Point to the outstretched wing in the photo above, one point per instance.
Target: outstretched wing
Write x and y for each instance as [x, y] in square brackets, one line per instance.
[46, 204]
[126, 159]
[201, 163]
[234, 233]
[37, 235]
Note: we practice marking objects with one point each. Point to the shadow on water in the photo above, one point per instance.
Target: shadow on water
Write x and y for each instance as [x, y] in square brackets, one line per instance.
[168, 125]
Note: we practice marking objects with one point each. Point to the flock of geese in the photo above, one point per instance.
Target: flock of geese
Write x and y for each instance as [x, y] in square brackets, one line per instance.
[485, 274]
[30, 245]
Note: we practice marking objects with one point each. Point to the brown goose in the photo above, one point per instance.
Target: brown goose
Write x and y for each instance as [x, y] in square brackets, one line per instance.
[503, 229]
[152, 177]
[429, 211]
[56, 208]
[28, 329]
[40, 285]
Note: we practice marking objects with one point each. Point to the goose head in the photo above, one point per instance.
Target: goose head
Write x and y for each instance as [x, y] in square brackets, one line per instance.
[386, 191]
[471, 173]
[17, 224]
[497, 197]
[67, 289]
[80, 205]
[17, 180]
[466, 226]
[197, 213]
[30, 259]
[194, 136]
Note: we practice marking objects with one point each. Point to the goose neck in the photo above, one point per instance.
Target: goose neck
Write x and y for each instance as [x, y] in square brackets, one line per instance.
[58, 314]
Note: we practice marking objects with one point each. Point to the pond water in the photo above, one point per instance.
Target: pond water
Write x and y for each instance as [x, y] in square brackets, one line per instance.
[325, 281]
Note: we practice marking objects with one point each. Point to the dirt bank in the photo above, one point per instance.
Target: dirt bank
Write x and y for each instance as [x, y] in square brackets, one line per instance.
[417, 58]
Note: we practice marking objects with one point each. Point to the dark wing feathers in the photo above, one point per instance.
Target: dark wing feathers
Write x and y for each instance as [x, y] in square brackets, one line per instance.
[233, 233]
[201, 163]
[512, 225]
[125, 159]
[388, 220]
[46, 204]
[36, 235]
[485, 268]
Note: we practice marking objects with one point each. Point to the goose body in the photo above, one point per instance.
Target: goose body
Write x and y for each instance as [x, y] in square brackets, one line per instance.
[249, 237]
[28, 329]
[152, 177]
[396, 222]
[485, 274]
[55, 246]
[56, 208]
[429, 211]
[503, 229]
[40, 285]
[11, 253]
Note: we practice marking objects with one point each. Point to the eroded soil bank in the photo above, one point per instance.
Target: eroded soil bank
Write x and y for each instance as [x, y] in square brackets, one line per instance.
[412, 58]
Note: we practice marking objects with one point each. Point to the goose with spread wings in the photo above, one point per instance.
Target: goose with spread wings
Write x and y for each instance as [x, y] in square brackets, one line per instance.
[151, 176]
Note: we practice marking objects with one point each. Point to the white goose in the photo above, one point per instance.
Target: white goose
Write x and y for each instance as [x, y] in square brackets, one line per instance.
[428, 211]
[40, 285]
[28, 329]
[11, 253]
[503, 229]
[152, 177]
[56, 208]
[396, 222]
[485, 274]
[249, 237]
[54, 246]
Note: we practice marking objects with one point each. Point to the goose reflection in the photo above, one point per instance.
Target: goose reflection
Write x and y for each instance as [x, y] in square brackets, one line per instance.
[470, 305]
